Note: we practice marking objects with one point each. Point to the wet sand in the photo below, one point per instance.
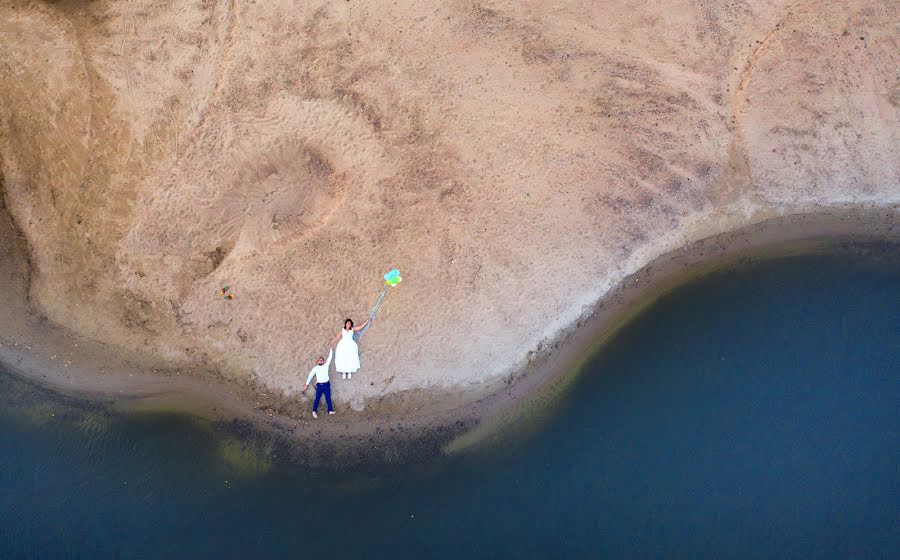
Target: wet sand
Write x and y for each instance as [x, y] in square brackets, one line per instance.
[410, 425]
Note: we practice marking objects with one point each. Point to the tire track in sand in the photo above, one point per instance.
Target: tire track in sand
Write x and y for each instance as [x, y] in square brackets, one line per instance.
[741, 180]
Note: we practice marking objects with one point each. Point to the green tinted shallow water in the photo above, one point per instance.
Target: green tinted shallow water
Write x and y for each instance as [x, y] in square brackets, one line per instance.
[750, 413]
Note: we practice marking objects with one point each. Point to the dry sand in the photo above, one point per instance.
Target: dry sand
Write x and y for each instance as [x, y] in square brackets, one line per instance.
[516, 160]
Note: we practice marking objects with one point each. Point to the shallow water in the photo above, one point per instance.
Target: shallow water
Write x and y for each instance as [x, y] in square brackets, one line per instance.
[751, 413]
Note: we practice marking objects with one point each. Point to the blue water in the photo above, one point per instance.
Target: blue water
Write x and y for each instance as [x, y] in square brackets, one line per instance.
[752, 413]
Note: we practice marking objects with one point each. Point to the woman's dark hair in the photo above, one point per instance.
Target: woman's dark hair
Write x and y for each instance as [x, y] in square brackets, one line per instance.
[351, 323]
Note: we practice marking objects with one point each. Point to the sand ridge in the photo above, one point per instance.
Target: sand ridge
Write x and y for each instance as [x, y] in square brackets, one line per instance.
[514, 160]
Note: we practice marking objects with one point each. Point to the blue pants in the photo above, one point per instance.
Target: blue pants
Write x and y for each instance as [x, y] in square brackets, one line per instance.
[323, 389]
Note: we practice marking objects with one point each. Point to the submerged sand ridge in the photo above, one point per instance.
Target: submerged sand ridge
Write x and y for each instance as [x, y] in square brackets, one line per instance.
[515, 161]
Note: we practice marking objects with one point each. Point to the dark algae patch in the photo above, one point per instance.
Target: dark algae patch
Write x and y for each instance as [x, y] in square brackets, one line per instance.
[751, 412]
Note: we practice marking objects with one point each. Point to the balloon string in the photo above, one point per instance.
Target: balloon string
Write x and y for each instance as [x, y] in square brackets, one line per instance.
[380, 299]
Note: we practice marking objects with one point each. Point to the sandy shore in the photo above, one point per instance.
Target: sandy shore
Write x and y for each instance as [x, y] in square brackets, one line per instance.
[515, 160]
[412, 424]
[518, 161]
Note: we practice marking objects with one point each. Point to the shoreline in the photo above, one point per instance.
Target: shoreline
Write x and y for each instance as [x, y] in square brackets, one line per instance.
[396, 427]
[518, 163]
[529, 397]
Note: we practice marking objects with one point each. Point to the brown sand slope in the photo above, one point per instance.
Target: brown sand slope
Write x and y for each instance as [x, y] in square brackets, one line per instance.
[514, 159]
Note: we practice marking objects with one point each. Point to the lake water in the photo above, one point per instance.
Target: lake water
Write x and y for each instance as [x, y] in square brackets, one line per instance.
[751, 413]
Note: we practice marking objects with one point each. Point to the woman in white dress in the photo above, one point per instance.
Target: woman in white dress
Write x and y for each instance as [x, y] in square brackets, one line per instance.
[346, 354]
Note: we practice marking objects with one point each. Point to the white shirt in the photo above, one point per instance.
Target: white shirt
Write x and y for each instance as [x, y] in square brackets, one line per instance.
[320, 372]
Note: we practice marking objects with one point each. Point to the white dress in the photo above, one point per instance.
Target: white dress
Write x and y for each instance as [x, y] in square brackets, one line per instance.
[346, 355]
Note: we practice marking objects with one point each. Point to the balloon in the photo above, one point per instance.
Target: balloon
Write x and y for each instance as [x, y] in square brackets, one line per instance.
[393, 278]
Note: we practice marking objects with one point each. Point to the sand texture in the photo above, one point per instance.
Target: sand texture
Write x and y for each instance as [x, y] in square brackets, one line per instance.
[516, 160]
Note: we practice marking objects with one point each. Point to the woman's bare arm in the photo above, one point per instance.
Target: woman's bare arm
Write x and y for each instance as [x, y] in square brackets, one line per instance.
[359, 328]
[335, 339]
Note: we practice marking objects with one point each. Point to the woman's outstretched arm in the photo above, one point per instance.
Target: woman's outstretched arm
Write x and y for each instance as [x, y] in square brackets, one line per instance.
[334, 340]
[361, 327]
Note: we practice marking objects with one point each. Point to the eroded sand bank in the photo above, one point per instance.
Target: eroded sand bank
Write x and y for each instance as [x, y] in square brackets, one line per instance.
[517, 161]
